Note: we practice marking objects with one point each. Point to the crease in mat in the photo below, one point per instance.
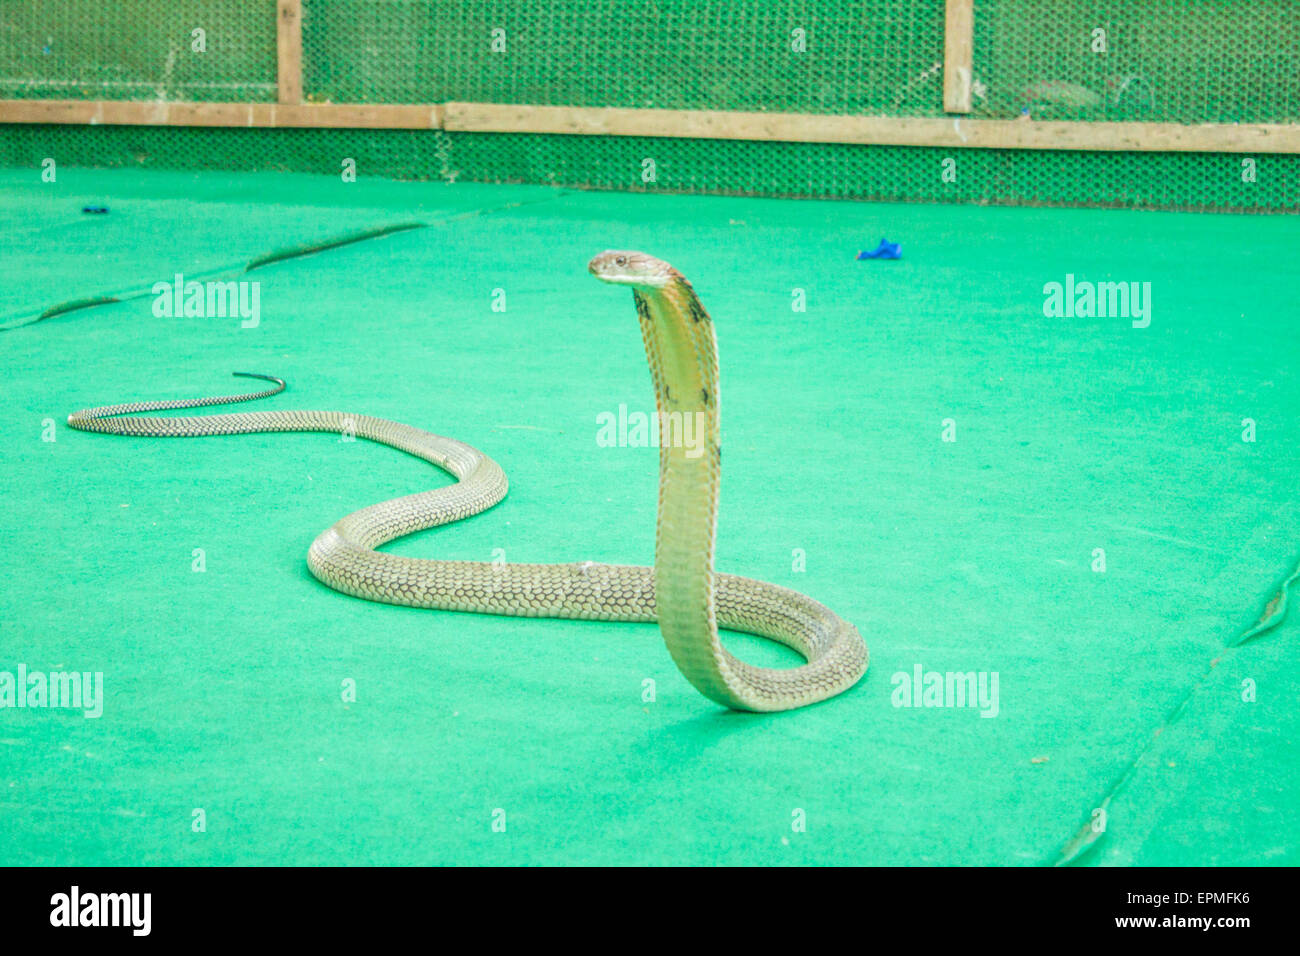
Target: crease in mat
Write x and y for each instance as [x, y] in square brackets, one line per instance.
[1085, 839]
[258, 262]
[292, 252]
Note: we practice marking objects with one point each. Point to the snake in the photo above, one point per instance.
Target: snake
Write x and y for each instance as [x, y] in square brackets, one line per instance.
[682, 592]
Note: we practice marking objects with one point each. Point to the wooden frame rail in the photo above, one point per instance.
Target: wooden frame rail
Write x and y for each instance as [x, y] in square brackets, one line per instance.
[136, 113]
[950, 132]
[872, 130]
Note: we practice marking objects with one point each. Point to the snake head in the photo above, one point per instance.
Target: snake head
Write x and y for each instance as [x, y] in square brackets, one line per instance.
[624, 267]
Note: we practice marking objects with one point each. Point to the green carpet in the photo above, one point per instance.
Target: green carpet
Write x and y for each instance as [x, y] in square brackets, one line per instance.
[223, 688]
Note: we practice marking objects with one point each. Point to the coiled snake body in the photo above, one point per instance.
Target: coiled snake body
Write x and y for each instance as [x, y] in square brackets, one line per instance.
[681, 592]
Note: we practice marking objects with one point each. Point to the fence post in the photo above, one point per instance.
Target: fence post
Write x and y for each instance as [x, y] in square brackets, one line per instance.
[288, 49]
[958, 39]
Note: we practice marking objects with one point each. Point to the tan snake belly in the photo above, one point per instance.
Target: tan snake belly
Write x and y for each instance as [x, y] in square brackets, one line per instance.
[682, 592]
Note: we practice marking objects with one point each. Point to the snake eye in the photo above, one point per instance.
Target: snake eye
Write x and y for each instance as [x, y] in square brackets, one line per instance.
[621, 261]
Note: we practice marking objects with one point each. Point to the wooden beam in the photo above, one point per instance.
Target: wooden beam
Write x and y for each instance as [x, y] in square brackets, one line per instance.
[949, 133]
[958, 43]
[873, 130]
[128, 113]
[288, 47]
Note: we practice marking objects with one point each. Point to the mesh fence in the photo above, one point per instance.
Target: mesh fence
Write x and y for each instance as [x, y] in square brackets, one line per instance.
[671, 54]
[138, 50]
[1178, 61]
[1185, 61]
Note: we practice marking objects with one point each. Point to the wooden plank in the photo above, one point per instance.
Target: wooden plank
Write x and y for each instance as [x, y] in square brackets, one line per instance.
[951, 132]
[129, 113]
[958, 43]
[288, 47]
[874, 130]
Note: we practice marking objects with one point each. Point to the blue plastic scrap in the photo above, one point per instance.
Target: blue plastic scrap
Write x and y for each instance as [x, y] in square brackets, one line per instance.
[886, 250]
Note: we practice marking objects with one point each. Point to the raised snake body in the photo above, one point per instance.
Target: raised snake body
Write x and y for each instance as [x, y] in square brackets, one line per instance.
[682, 592]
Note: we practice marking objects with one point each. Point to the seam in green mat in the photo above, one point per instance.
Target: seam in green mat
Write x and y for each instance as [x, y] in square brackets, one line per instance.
[1274, 612]
[125, 295]
[218, 272]
[1085, 840]
[294, 252]
[307, 249]
[279, 255]
[76, 304]
[72, 305]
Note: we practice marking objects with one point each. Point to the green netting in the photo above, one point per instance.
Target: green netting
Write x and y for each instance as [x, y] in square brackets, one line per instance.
[1209, 181]
[138, 50]
[678, 54]
[1169, 60]
[1159, 60]
[1178, 61]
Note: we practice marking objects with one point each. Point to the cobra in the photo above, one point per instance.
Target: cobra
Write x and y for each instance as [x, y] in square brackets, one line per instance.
[682, 592]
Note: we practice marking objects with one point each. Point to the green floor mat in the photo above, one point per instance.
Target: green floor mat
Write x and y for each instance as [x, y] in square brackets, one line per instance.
[1073, 434]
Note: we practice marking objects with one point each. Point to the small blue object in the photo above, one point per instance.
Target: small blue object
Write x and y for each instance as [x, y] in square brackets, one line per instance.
[95, 210]
[886, 250]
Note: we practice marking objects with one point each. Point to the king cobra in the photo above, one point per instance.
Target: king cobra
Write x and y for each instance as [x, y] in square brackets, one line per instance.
[682, 592]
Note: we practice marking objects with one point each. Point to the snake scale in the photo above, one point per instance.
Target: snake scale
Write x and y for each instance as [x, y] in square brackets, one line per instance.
[682, 592]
